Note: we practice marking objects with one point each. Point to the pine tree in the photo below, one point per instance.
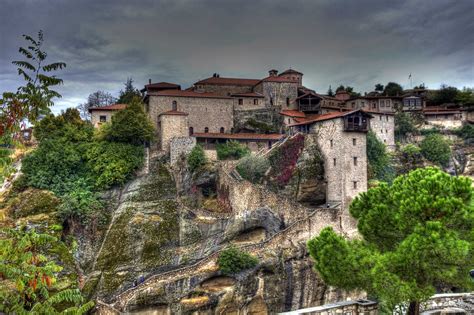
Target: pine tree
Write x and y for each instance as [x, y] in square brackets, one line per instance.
[126, 96]
[417, 235]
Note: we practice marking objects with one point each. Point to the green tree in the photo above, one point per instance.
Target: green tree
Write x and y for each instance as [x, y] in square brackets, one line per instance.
[232, 260]
[446, 94]
[436, 149]
[330, 92]
[393, 89]
[253, 167]
[130, 125]
[465, 97]
[96, 99]
[79, 204]
[36, 96]
[129, 94]
[340, 88]
[196, 158]
[231, 149]
[29, 276]
[410, 158]
[379, 87]
[379, 159]
[417, 235]
[404, 125]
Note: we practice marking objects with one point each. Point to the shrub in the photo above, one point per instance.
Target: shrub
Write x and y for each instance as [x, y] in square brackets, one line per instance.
[130, 125]
[253, 168]
[79, 203]
[232, 260]
[231, 149]
[410, 158]
[404, 125]
[54, 164]
[379, 159]
[34, 201]
[466, 132]
[111, 163]
[196, 158]
[427, 132]
[436, 149]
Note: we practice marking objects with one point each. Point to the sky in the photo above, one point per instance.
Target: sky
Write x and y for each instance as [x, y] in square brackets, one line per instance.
[357, 43]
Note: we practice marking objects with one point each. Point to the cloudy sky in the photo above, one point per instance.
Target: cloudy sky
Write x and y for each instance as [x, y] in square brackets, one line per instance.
[358, 43]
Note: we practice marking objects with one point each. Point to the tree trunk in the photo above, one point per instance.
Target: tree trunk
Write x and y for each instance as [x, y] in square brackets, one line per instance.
[414, 308]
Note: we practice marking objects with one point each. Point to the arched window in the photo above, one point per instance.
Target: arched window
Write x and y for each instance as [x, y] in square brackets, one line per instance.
[191, 131]
[271, 100]
[206, 130]
[175, 105]
[222, 130]
[287, 101]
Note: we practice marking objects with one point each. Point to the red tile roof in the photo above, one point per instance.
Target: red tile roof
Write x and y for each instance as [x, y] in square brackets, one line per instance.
[163, 85]
[292, 113]
[323, 117]
[252, 94]
[228, 81]
[290, 71]
[174, 112]
[186, 93]
[240, 136]
[109, 107]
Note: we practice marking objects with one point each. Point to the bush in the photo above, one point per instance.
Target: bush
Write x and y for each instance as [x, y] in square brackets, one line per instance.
[380, 167]
[111, 163]
[427, 132]
[231, 149]
[130, 125]
[253, 168]
[466, 132]
[196, 158]
[410, 158]
[436, 149]
[79, 203]
[404, 125]
[232, 260]
[34, 201]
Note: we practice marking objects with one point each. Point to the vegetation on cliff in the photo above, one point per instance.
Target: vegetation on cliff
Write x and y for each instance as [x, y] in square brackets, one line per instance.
[233, 260]
[427, 241]
[196, 158]
[436, 149]
[380, 165]
[253, 168]
[231, 150]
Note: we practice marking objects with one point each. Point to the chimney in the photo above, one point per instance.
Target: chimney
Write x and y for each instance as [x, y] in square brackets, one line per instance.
[149, 81]
[273, 73]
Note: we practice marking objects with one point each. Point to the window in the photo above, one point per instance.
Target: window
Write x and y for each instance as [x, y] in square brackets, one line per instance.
[355, 160]
[102, 118]
[353, 104]
[374, 106]
[289, 121]
[380, 117]
[386, 131]
[386, 118]
[271, 100]
[381, 130]
[354, 141]
[206, 130]
[330, 141]
[363, 104]
[222, 130]
[255, 101]
[175, 105]
[241, 101]
[191, 131]
[334, 161]
[355, 185]
[287, 102]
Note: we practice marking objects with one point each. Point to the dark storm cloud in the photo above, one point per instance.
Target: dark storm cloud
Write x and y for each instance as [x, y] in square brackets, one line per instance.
[333, 42]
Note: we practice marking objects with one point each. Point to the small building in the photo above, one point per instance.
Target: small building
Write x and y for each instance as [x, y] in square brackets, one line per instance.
[444, 117]
[103, 114]
[342, 137]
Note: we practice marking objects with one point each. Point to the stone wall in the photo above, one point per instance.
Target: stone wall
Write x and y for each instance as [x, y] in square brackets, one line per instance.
[450, 121]
[279, 92]
[268, 116]
[95, 117]
[383, 126]
[212, 113]
[224, 90]
[172, 126]
[180, 146]
[248, 103]
[463, 301]
[346, 176]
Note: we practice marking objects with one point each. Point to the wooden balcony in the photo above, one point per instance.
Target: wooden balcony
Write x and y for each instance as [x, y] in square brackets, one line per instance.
[358, 122]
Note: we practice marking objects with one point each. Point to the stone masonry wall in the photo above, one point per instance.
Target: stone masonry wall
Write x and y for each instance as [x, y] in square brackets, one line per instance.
[279, 91]
[339, 149]
[224, 90]
[172, 126]
[384, 127]
[248, 103]
[95, 117]
[180, 146]
[213, 113]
